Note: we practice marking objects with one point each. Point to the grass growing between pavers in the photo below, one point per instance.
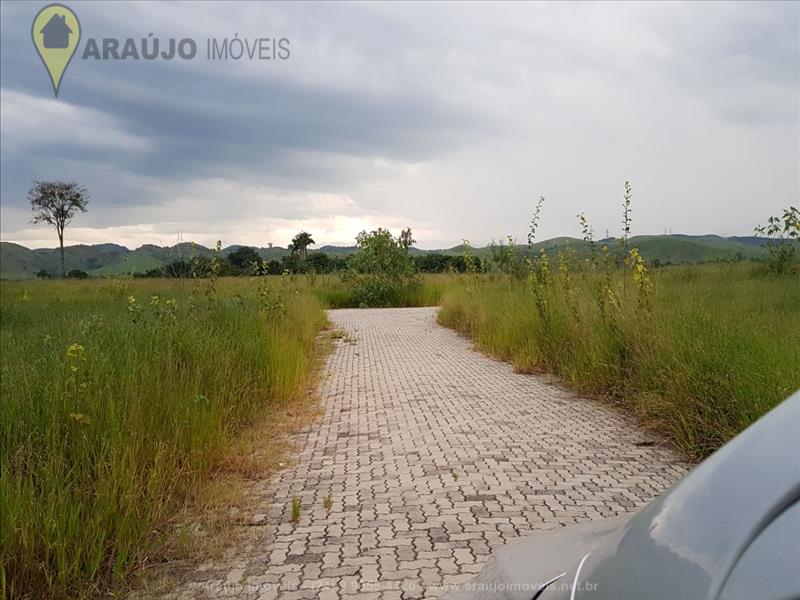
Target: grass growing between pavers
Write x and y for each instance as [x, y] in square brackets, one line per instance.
[119, 399]
[705, 352]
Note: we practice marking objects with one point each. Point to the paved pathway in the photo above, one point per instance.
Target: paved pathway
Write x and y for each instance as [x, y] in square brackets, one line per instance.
[431, 455]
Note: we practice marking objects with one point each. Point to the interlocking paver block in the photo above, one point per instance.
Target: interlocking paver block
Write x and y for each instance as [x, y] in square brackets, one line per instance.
[432, 454]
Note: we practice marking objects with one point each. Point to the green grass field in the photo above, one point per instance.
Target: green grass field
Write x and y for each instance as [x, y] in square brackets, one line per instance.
[717, 348]
[118, 398]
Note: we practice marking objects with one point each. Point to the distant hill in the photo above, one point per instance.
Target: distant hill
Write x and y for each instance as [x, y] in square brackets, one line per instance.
[665, 249]
[339, 250]
[19, 262]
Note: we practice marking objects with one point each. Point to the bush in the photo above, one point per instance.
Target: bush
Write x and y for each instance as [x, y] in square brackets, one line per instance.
[77, 274]
[433, 262]
[375, 292]
[244, 258]
[380, 270]
[783, 235]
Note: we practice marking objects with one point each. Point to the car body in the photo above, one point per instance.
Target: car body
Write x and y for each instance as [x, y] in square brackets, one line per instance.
[729, 530]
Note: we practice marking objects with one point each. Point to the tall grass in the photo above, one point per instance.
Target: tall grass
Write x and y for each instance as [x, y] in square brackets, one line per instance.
[117, 400]
[119, 397]
[714, 349]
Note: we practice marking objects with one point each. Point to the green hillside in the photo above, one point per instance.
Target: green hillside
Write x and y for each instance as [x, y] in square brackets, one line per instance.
[665, 249]
[16, 262]
[131, 263]
[679, 249]
[19, 262]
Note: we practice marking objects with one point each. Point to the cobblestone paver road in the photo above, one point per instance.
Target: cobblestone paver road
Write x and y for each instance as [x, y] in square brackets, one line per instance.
[431, 454]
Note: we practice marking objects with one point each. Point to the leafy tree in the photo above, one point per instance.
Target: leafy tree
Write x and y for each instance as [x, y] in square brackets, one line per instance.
[319, 262]
[300, 244]
[178, 269]
[293, 264]
[784, 237]
[244, 257]
[406, 240]
[380, 254]
[442, 263]
[339, 263]
[379, 269]
[274, 267]
[150, 273]
[56, 203]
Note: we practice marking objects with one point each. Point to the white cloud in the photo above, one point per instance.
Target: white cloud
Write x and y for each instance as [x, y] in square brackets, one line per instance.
[335, 230]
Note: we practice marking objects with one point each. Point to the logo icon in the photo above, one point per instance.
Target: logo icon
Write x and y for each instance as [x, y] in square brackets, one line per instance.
[56, 32]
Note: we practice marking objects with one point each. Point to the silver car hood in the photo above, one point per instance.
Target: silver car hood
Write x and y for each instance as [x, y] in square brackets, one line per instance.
[685, 543]
[518, 570]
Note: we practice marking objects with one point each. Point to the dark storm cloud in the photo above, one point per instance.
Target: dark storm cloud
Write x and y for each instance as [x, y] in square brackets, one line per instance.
[208, 122]
[450, 116]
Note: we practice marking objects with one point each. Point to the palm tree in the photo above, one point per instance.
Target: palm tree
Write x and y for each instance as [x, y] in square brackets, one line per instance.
[301, 242]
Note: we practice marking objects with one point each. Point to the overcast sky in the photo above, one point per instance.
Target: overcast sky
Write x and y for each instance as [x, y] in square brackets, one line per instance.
[451, 119]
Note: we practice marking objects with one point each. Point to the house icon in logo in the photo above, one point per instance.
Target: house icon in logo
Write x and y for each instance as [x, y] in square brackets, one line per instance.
[55, 34]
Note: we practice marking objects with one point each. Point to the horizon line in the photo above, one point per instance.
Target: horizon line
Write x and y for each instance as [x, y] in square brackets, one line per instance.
[334, 245]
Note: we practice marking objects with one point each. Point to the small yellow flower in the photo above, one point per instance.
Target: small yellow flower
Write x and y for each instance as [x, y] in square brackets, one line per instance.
[80, 418]
[74, 351]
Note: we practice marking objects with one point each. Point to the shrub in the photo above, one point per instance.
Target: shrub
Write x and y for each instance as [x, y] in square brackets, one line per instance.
[375, 292]
[381, 269]
[319, 262]
[783, 233]
[434, 262]
[244, 258]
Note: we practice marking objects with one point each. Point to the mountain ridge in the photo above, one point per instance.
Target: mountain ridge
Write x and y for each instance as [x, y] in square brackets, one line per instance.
[108, 259]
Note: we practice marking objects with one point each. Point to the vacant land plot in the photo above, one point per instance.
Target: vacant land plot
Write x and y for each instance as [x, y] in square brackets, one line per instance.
[118, 398]
[121, 397]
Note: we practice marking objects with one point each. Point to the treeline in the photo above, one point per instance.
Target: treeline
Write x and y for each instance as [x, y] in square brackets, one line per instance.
[245, 261]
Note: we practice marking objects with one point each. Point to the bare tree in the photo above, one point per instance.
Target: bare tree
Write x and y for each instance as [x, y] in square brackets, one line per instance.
[56, 202]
